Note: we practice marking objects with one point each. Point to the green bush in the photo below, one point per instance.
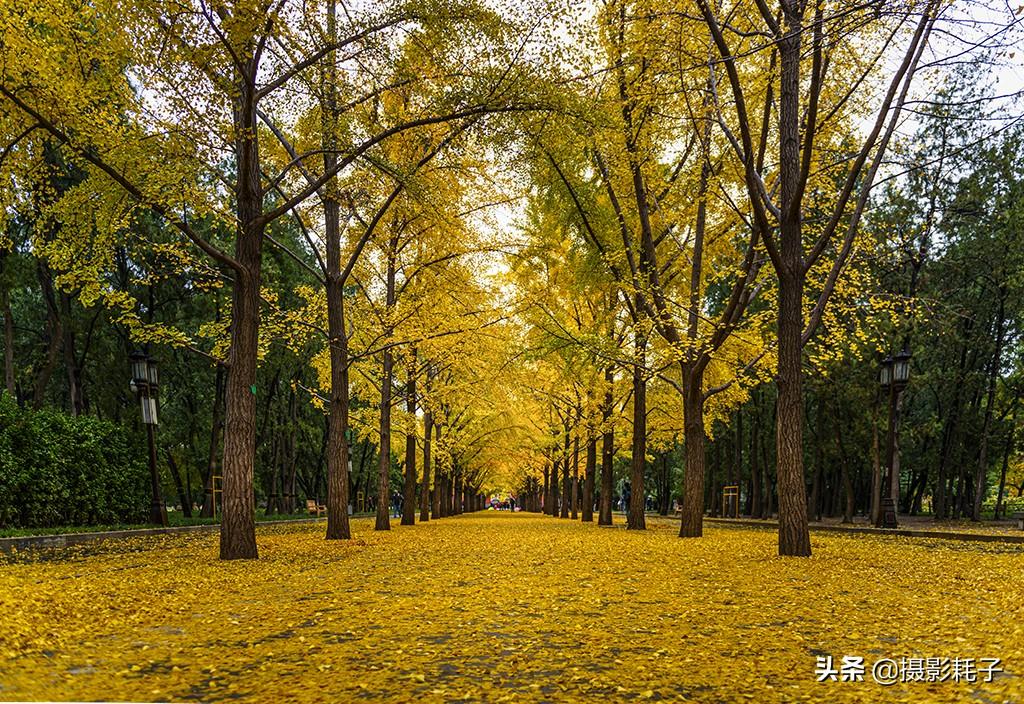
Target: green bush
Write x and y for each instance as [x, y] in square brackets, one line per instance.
[1011, 504]
[57, 469]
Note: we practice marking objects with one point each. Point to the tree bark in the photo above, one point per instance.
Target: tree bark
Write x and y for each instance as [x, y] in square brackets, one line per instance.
[566, 490]
[409, 490]
[982, 470]
[1007, 451]
[575, 476]
[216, 426]
[636, 519]
[238, 523]
[588, 480]
[54, 333]
[384, 446]
[338, 448]
[428, 429]
[694, 438]
[556, 473]
[437, 501]
[756, 501]
[604, 517]
[5, 300]
[183, 496]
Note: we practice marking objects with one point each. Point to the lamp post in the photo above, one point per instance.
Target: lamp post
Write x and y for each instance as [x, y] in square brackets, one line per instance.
[893, 377]
[145, 383]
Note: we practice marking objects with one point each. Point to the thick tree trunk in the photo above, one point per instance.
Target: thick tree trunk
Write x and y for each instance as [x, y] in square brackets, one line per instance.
[338, 448]
[588, 481]
[238, 524]
[794, 537]
[694, 437]
[338, 405]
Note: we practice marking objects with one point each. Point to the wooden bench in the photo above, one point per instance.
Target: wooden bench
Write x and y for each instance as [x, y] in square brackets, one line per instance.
[1019, 517]
[314, 508]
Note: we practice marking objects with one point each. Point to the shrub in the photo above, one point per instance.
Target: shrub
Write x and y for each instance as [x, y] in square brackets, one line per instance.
[57, 469]
[1011, 504]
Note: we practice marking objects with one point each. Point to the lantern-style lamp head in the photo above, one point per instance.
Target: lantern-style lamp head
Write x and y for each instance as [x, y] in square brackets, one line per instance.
[885, 372]
[151, 372]
[901, 368]
[140, 374]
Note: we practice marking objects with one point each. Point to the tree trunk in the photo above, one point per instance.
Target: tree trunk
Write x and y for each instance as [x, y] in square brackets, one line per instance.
[276, 461]
[636, 520]
[428, 429]
[546, 500]
[575, 476]
[694, 438]
[216, 426]
[816, 484]
[409, 490]
[794, 537]
[384, 447]
[1007, 451]
[566, 490]
[438, 503]
[551, 502]
[844, 466]
[5, 300]
[76, 395]
[183, 496]
[982, 470]
[756, 501]
[54, 335]
[588, 481]
[604, 517]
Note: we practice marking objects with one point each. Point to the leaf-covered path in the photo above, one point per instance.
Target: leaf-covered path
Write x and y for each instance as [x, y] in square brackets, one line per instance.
[491, 607]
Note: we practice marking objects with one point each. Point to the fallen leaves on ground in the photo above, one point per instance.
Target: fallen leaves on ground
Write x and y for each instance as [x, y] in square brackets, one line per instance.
[504, 607]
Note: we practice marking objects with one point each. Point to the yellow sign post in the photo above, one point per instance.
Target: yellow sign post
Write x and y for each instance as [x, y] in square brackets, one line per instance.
[731, 501]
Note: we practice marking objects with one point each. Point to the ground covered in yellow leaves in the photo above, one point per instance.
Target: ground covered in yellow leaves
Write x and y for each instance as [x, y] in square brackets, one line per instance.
[501, 607]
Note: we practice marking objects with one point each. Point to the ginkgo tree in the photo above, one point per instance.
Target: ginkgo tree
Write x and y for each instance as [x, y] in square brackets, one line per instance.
[642, 171]
[167, 112]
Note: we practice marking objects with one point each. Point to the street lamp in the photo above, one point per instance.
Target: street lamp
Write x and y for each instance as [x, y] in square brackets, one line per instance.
[145, 384]
[893, 377]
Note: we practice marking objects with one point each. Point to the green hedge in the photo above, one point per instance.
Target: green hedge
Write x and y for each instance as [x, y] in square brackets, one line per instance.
[1011, 504]
[57, 469]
